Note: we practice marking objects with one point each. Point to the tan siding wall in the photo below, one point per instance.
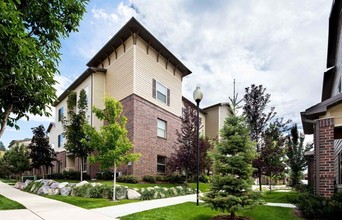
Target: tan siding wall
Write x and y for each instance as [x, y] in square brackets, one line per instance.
[58, 128]
[147, 68]
[99, 88]
[336, 113]
[119, 76]
[212, 122]
[203, 120]
[223, 115]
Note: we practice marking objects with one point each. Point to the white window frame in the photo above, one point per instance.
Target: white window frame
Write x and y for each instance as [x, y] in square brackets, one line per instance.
[161, 128]
[161, 91]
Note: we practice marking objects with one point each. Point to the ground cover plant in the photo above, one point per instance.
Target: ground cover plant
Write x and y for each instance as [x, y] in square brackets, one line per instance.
[7, 204]
[189, 211]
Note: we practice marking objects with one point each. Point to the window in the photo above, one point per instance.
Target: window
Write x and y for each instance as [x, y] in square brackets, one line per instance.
[161, 164]
[60, 114]
[60, 140]
[161, 128]
[84, 168]
[160, 92]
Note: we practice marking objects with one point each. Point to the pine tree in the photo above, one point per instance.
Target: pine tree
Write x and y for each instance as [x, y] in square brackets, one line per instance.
[231, 188]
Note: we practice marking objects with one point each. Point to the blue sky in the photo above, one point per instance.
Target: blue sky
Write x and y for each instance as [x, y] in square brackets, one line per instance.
[279, 44]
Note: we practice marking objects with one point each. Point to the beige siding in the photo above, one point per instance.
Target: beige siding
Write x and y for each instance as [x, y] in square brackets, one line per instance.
[119, 76]
[147, 68]
[336, 113]
[212, 122]
[58, 128]
[98, 91]
[203, 118]
[223, 115]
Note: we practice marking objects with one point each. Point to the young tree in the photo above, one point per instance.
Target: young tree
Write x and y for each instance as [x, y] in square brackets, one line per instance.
[41, 153]
[256, 101]
[111, 142]
[273, 153]
[185, 156]
[30, 36]
[295, 153]
[231, 188]
[73, 127]
[17, 159]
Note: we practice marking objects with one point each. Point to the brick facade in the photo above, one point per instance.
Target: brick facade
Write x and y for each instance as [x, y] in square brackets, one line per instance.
[324, 157]
[142, 130]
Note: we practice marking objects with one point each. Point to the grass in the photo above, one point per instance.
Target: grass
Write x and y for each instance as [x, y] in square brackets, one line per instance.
[89, 203]
[281, 197]
[7, 204]
[189, 211]
[9, 181]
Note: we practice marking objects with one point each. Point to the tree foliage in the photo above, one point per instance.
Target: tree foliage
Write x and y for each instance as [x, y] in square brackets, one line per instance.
[41, 153]
[17, 159]
[295, 153]
[2, 146]
[231, 188]
[272, 155]
[111, 142]
[30, 33]
[73, 128]
[184, 158]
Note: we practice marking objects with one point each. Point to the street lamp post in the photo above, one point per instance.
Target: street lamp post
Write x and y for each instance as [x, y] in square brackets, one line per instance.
[198, 95]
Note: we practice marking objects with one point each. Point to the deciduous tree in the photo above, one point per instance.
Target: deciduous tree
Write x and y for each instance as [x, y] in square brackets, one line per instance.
[17, 159]
[111, 142]
[295, 153]
[30, 36]
[73, 127]
[184, 159]
[41, 153]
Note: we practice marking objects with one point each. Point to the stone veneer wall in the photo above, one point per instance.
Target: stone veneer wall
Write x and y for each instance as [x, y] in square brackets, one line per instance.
[142, 130]
[324, 157]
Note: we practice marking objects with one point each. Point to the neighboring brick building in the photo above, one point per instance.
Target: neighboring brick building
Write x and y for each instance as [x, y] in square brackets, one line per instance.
[136, 69]
[324, 120]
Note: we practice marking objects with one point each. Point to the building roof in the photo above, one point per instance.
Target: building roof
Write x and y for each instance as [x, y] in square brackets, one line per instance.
[328, 80]
[317, 110]
[13, 142]
[133, 26]
[333, 32]
[77, 82]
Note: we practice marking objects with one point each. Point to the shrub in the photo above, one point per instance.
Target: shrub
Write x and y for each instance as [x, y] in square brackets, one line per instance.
[127, 179]
[318, 207]
[162, 192]
[204, 179]
[175, 179]
[149, 179]
[160, 178]
[106, 175]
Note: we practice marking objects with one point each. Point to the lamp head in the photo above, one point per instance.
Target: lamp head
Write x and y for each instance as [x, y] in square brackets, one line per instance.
[198, 95]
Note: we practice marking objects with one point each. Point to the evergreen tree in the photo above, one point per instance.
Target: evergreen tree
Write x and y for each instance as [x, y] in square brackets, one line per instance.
[41, 153]
[231, 188]
[2, 146]
[185, 156]
[73, 127]
[111, 142]
[295, 153]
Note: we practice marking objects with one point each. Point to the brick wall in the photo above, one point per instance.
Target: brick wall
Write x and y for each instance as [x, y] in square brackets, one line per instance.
[324, 157]
[142, 130]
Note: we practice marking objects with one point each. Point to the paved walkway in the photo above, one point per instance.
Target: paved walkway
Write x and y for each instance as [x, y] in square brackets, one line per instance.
[39, 208]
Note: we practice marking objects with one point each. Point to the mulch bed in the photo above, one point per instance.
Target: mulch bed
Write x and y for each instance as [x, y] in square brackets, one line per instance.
[228, 217]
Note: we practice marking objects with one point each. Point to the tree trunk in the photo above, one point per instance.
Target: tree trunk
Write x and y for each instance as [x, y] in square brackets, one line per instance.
[232, 214]
[271, 182]
[114, 183]
[81, 174]
[259, 176]
[4, 119]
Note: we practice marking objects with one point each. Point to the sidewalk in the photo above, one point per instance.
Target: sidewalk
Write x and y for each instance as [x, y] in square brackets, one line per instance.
[39, 208]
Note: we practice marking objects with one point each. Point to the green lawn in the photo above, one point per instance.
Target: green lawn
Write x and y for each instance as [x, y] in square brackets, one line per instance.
[9, 181]
[89, 203]
[6, 204]
[281, 197]
[189, 211]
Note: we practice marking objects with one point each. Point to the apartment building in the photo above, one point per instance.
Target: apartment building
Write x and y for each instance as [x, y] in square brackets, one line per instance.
[324, 120]
[139, 71]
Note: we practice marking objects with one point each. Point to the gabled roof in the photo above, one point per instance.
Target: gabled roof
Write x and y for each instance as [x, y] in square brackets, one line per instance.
[317, 110]
[328, 81]
[133, 26]
[333, 32]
